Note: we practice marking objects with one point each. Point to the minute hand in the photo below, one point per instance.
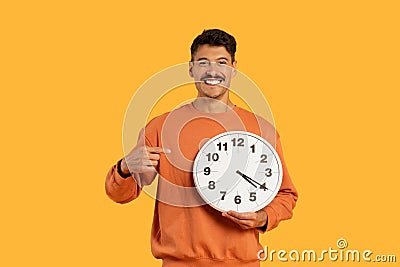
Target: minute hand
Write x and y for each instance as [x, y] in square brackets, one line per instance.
[250, 180]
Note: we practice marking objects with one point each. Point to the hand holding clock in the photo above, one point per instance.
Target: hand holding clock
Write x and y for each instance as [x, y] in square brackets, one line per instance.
[247, 220]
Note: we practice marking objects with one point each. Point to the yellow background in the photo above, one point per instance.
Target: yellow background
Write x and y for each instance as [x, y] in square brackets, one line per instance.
[329, 69]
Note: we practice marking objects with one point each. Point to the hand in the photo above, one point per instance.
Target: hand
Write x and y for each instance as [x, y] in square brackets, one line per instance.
[142, 159]
[247, 220]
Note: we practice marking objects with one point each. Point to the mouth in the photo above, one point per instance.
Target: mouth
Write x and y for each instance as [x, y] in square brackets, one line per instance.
[212, 82]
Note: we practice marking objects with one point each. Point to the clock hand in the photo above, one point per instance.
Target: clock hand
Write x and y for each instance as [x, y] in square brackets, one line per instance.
[262, 186]
[248, 179]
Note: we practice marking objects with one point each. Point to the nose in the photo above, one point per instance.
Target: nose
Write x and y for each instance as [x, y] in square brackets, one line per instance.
[212, 69]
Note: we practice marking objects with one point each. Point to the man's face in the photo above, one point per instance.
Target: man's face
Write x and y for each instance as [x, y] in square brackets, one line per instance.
[212, 69]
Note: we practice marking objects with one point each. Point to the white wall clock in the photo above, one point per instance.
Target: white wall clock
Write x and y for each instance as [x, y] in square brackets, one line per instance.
[237, 171]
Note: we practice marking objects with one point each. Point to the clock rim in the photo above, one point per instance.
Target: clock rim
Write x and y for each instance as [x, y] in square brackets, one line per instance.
[280, 174]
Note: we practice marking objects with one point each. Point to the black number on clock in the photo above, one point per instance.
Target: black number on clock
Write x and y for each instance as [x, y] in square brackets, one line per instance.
[240, 142]
[223, 194]
[253, 148]
[238, 199]
[253, 196]
[268, 172]
[222, 145]
[207, 171]
[213, 156]
[211, 185]
[263, 186]
[263, 158]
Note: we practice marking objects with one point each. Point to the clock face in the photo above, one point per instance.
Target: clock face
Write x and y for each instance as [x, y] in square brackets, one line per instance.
[237, 171]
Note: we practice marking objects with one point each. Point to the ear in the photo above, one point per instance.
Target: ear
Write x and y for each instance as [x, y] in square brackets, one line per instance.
[190, 68]
[234, 68]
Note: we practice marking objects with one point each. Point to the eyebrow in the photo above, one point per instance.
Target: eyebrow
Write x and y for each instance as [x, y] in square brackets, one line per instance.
[222, 58]
[204, 58]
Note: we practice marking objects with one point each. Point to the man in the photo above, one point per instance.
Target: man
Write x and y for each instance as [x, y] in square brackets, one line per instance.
[185, 232]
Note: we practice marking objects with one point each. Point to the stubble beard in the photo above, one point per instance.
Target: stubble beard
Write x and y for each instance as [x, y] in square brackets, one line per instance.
[217, 96]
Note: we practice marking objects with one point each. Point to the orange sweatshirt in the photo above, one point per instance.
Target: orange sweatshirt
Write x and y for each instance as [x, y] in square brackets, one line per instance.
[183, 233]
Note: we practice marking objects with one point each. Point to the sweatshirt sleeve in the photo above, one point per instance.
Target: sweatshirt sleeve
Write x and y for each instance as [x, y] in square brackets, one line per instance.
[121, 190]
[281, 208]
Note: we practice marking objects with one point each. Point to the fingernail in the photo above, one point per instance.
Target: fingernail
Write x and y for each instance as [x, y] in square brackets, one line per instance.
[167, 150]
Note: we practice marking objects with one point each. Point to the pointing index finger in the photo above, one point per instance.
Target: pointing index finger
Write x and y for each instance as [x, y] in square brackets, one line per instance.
[157, 150]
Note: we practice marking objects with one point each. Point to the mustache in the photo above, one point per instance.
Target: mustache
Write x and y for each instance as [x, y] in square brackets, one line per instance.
[212, 77]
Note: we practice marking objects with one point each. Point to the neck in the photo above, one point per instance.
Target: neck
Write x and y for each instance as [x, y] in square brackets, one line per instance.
[209, 105]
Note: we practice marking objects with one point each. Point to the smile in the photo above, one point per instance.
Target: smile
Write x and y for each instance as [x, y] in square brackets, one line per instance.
[212, 81]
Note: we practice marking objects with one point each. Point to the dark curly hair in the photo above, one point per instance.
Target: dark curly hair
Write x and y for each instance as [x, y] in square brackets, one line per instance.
[214, 37]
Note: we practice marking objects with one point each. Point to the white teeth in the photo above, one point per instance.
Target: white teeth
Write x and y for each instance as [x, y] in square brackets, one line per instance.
[212, 82]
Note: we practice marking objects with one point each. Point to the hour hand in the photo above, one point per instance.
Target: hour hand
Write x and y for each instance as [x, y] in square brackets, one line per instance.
[247, 178]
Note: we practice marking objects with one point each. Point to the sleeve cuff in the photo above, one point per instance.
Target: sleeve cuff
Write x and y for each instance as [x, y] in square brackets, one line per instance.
[263, 228]
[271, 217]
[119, 171]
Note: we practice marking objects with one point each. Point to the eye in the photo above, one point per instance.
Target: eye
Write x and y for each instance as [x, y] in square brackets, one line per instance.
[222, 62]
[203, 63]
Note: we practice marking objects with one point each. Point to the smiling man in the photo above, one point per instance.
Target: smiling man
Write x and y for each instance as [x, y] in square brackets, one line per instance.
[213, 67]
[185, 230]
